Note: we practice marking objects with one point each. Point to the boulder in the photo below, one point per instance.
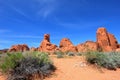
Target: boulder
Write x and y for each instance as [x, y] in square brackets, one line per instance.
[46, 45]
[87, 46]
[19, 48]
[106, 41]
[67, 46]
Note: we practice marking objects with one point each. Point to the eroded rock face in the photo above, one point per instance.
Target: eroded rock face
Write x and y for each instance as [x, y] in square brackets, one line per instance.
[87, 46]
[106, 41]
[33, 49]
[19, 48]
[46, 46]
[67, 46]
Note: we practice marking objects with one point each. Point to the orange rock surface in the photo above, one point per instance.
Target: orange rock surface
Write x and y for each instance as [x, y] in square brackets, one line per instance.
[33, 49]
[67, 46]
[19, 47]
[46, 45]
[106, 41]
[87, 46]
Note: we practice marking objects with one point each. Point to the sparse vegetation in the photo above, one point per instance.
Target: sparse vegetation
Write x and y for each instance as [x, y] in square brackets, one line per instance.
[22, 66]
[59, 54]
[9, 61]
[70, 54]
[79, 54]
[107, 60]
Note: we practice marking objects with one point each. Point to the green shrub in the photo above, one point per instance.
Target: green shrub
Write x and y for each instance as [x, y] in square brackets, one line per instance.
[70, 54]
[79, 54]
[0, 52]
[59, 54]
[107, 60]
[25, 66]
[43, 57]
[10, 60]
[29, 67]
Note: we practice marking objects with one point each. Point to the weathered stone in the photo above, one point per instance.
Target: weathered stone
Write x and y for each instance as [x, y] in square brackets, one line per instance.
[67, 46]
[46, 46]
[106, 41]
[87, 46]
[33, 49]
[19, 47]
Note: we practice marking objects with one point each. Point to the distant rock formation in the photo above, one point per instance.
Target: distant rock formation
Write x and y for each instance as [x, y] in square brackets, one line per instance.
[67, 46]
[87, 46]
[3, 50]
[46, 46]
[19, 48]
[33, 49]
[106, 41]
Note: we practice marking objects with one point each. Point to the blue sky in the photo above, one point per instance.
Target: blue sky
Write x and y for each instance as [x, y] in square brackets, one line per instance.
[25, 21]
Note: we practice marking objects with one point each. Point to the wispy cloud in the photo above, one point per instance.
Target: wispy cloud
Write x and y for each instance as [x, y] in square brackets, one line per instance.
[23, 36]
[47, 8]
[4, 31]
[5, 41]
[82, 25]
[15, 8]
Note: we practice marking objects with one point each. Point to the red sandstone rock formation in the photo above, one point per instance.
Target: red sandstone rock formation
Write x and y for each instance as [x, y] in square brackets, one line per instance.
[3, 50]
[46, 46]
[19, 47]
[106, 41]
[87, 46]
[67, 46]
[33, 49]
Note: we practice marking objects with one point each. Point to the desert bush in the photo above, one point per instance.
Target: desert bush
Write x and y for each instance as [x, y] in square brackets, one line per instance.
[107, 60]
[26, 66]
[59, 54]
[70, 54]
[0, 52]
[9, 62]
[29, 67]
[79, 54]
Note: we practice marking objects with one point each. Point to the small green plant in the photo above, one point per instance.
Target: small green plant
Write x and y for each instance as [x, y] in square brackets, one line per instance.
[59, 54]
[107, 60]
[70, 54]
[10, 60]
[0, 52]
[29, 67]
[79, 54]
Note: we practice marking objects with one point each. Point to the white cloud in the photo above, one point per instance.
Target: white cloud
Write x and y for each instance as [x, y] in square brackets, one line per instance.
[4, 31]
[47, 7]
[5, 41]
[22, 36]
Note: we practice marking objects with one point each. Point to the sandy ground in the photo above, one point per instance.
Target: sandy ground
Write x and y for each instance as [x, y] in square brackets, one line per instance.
[75, 68]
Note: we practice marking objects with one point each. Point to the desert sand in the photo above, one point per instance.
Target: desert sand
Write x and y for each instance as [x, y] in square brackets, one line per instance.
[76, 68]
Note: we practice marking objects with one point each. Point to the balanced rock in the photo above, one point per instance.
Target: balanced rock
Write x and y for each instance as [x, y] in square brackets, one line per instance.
[106, 41]
[67, 46]
[87, 46]
[19, 48]
[46, 46]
